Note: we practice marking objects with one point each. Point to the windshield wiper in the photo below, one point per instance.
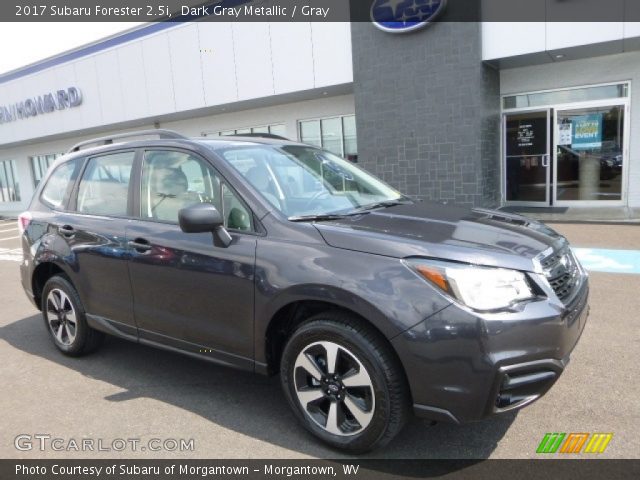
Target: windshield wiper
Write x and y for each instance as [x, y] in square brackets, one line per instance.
[385, 204]
[320, 217]
[358, 211]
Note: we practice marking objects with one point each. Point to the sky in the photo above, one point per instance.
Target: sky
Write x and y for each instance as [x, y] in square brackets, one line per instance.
[23, 43]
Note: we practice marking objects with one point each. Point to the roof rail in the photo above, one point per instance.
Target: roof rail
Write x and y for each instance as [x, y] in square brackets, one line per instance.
[257, 135]
[161, 133]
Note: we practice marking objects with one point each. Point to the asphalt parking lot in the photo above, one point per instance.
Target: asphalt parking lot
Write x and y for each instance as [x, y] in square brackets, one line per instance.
[9, 241]
[129, 391]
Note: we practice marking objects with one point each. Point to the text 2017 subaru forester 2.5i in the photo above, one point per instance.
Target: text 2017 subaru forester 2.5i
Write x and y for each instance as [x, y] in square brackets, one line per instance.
[278, 257]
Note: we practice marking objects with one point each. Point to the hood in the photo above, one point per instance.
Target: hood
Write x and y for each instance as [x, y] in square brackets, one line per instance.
[424, 229]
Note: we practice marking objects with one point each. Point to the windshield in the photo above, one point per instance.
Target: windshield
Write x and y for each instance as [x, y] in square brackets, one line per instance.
[305, 181]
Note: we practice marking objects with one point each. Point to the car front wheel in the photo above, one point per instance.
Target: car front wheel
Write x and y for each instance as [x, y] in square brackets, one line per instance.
[344, 383]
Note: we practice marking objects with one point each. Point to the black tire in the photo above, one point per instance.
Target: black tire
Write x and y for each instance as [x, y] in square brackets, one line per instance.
[85, 339]
[390, 406]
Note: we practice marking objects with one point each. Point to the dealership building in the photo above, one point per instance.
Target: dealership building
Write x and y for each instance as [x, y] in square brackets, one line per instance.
[527, 115]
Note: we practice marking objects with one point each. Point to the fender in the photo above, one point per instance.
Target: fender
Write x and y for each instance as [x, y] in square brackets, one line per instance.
[323, 293]
[53, 251]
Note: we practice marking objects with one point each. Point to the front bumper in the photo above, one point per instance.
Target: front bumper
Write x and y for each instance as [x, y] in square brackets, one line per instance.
[464, 366]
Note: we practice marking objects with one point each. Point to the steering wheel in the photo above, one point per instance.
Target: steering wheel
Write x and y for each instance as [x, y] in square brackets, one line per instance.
[314, 197]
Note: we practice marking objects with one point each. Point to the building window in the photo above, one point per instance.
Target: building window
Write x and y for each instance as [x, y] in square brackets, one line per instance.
[336, 134]
[570, 95]
[40, 164]
[9, 188]
[275, 129]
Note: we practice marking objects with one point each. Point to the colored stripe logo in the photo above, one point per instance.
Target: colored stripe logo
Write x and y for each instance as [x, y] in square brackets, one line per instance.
[574, 443]
[598, 442]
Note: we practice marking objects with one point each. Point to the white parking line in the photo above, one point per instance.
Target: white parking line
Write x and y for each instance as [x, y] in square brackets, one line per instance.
[14, 229]
[9, 238]
[11, 255]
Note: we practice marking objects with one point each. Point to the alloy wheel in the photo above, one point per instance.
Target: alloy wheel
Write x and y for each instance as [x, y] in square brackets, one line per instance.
[61, 317]
[334, 388]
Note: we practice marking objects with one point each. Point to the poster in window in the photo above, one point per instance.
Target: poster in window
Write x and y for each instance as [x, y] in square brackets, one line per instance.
[564, 133]
[586, 132]
[527, 135]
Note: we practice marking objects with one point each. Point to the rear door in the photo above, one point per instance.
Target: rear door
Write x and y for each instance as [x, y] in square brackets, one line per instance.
[189, 293]
[94, 230]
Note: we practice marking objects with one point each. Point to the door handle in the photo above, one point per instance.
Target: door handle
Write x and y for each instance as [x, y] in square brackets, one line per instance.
[140, 245]
[545, 161]
[67, 230]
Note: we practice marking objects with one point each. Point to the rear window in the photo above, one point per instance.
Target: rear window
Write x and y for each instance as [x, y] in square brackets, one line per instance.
[54, 192]
[104, 186]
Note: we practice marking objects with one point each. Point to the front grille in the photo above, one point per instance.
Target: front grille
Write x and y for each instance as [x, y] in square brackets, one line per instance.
[551, 260]
[562, 272]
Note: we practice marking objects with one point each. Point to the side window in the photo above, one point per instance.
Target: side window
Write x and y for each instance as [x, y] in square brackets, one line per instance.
[174, 180]
[236, 215]
[59, 182]
[104, 187]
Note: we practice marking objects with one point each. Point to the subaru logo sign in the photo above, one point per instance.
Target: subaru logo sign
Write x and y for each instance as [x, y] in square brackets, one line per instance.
[400, 16]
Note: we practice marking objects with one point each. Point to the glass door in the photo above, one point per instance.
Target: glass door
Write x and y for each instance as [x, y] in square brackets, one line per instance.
[589, 154]
[526, 157]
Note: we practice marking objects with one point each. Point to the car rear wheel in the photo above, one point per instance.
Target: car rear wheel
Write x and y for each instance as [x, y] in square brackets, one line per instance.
[344, 383]
[65, 318]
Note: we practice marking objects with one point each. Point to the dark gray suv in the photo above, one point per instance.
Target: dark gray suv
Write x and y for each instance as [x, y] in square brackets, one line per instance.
[281, 258]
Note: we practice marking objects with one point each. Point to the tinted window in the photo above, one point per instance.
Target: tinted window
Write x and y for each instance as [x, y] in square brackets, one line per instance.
[58, 183]
[104, 188]
[174, 180]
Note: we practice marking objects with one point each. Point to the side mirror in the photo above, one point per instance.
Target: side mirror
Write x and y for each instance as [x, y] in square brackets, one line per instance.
[204, 217]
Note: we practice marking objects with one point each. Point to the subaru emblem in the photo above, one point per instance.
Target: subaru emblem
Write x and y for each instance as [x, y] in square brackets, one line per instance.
[401, 16]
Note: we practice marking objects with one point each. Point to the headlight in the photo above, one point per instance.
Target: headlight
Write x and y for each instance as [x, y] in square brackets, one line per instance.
[479, 288]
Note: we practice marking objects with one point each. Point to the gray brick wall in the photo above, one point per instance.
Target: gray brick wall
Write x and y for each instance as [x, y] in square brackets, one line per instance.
[427, 112]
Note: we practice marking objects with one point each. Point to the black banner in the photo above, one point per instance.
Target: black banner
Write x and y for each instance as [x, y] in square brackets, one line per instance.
[402, 11]
[365, 469]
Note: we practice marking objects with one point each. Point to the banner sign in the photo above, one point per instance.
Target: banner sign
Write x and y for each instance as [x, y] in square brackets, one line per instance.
[314, 469]
[586, 132]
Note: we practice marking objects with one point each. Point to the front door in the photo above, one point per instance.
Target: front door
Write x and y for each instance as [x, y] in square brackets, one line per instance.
[527, 166]
[187, 292]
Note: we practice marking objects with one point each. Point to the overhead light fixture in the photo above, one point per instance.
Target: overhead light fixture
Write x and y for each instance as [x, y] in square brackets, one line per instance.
[559, 56]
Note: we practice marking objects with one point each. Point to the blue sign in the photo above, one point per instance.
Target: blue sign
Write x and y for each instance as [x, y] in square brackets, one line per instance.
[586, 132]
[400, 16]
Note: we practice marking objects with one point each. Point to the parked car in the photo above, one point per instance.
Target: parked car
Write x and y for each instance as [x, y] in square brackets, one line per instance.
[277, 257]
[569, 163]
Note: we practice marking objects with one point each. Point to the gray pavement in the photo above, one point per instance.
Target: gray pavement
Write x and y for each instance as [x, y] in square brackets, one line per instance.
[129, 391]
